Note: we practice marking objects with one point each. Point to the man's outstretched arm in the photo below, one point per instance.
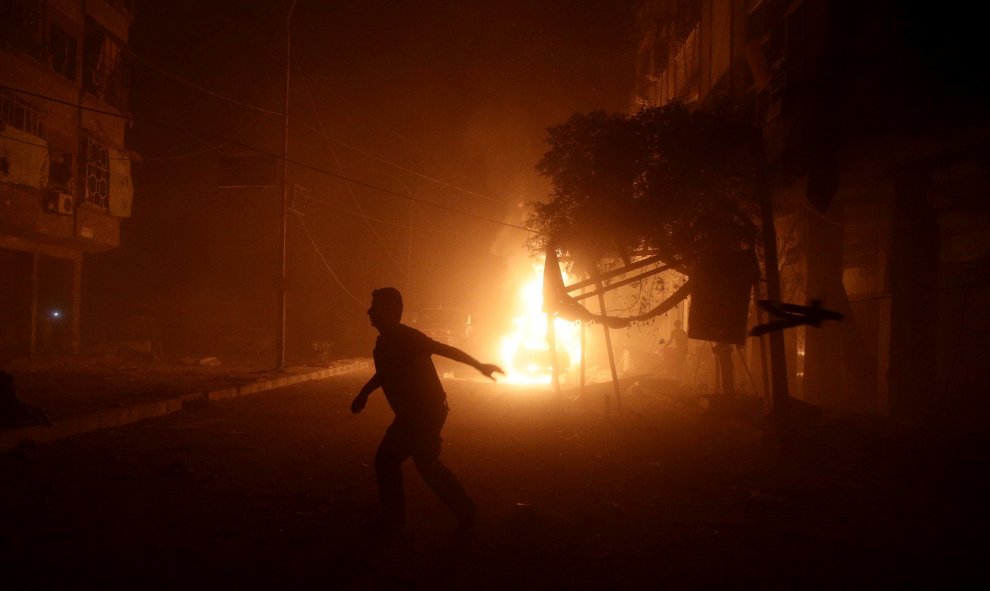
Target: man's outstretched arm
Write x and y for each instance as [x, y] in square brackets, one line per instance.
[457, 355]
[362, 398]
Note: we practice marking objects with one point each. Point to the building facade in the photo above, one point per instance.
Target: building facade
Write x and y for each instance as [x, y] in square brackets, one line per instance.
[65, 178]
[875, 121]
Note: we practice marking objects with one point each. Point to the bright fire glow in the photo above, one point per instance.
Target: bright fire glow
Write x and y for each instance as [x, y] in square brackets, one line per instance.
[525, 351]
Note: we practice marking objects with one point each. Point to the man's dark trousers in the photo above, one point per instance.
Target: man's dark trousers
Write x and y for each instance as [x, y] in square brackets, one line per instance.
[417, 436]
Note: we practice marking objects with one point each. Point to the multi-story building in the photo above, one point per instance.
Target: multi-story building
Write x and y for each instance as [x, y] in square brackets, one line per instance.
[65, 179]
[875, 119]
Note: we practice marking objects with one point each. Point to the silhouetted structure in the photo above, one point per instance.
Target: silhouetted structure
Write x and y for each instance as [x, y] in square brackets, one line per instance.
[875, 120]
[65, 177]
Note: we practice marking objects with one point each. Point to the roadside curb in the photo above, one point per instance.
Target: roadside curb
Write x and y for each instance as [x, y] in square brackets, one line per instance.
[116, 417]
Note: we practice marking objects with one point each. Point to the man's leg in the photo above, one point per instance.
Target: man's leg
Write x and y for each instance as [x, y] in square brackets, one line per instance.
[438, 477]
[392, 451]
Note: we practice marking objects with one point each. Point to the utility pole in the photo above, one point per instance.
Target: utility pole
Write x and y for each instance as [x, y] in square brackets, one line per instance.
[284, 209]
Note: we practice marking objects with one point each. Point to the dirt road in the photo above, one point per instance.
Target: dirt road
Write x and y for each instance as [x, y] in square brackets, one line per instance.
[274, 490]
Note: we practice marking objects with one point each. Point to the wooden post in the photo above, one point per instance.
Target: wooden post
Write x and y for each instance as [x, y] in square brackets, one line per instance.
[726, 377]
[764, 371]
[584, 356]
[611, 354]
[554, 366]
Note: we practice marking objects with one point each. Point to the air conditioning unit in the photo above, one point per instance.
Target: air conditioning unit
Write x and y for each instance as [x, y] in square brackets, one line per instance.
[59, 203]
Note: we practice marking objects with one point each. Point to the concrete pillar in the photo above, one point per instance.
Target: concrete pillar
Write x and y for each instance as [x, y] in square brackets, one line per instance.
[914, 295]
[822, 383]
[34, 304]
[76, 301]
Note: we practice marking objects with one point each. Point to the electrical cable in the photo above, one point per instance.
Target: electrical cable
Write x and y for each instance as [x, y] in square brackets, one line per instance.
[200, 152]
[379, 220]
[267, 153]
[161, 70]
[404, 168]
[409, 142]
[241, 128]
[327, 264]
[201, 88]
[245, 105]
[365, 153]
[14, 139]
[340, 167]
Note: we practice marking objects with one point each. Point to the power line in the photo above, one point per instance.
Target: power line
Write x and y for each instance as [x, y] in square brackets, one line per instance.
[389, 162]
[201, 88]
[241, 128]
[270, 154]
[419, 174]
[199, 152]
[240, 103]
[204, 150]
[340, 167]
[379, 220]
[327, 263]
[154, 66]
[44, 143]
[409, 142]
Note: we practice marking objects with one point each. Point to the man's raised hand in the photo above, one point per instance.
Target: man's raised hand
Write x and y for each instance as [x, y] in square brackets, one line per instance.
[358, 404]
[488, 369]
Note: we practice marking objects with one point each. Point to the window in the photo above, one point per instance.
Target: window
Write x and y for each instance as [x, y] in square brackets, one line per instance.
[63, 52]
[60, 171]
[97, 173]
[105, 66]
[23, 25]
[21, 115]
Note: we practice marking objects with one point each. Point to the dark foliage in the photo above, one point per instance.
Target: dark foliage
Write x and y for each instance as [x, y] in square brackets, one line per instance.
[666, 180]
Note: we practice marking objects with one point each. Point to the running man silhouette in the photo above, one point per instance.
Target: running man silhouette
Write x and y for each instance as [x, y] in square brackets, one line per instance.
[404, 371]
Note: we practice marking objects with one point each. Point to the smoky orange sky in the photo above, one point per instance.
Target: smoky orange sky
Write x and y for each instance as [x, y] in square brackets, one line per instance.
[444, 102]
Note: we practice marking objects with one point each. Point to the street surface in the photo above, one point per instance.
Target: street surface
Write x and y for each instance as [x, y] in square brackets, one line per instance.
[275, 490]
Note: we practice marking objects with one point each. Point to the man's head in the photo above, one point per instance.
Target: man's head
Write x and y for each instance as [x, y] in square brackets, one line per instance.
[678, 324]
[386, 307]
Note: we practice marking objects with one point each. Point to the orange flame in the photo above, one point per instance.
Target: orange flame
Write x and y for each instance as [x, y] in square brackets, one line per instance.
[525, 352]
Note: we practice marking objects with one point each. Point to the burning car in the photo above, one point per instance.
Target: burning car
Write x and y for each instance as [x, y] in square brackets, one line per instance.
[535, 364]
[447, 325]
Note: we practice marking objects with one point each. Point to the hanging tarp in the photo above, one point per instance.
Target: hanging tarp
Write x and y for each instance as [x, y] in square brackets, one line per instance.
[723, 282]
[121, 185]
[23, 158]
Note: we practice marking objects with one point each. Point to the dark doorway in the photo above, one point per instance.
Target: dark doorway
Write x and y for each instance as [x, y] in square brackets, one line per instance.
[54, 305]
[15, 304]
